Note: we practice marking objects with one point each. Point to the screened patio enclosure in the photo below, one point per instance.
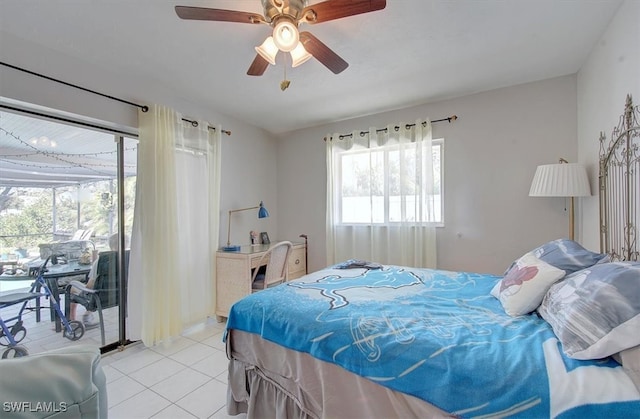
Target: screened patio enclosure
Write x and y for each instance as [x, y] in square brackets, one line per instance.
[57, 180]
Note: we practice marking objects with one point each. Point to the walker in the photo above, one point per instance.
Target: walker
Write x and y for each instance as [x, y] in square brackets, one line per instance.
[11, 336]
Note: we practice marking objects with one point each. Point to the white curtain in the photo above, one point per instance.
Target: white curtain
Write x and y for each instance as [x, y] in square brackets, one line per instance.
[175, 228]
[380, 196]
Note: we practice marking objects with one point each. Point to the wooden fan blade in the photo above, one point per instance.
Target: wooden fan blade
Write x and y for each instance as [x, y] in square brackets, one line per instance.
[323, 53]
[337, 9]
[258, 66]
[221, 15]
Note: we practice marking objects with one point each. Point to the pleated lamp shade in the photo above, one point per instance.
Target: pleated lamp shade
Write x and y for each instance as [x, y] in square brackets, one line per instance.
[563, 179]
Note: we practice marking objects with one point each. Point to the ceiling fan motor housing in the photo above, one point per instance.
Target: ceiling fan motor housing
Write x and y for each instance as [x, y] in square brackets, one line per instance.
[275, 8]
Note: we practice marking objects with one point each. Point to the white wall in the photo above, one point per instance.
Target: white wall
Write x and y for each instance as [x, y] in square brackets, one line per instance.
[249, 154]
[611, 72]
[491, 153]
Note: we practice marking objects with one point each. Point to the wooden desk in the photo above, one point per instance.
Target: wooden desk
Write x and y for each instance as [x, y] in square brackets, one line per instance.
[234, 271]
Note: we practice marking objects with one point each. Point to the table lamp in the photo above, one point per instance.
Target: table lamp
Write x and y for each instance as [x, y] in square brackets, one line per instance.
[262, 213]
[563, 179]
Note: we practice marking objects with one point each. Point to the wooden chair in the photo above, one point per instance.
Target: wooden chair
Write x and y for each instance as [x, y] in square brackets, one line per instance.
[276, 267]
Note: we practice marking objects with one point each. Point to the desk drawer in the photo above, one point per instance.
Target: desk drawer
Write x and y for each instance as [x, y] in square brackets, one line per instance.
[297, 263]
[255, 259]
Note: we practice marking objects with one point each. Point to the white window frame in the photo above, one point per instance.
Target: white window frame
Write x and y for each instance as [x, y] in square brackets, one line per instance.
[436, 144]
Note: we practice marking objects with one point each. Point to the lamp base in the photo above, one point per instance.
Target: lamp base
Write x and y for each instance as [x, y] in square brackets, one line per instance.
[231, 248]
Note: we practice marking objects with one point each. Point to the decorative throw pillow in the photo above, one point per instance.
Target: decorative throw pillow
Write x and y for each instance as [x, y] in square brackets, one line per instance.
[595, 312]
[522, 289]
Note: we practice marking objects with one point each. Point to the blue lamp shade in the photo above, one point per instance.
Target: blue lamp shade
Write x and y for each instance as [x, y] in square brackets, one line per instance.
[262, 211]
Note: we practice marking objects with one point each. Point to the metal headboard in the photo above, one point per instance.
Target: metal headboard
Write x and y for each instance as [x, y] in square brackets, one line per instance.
[620, 187]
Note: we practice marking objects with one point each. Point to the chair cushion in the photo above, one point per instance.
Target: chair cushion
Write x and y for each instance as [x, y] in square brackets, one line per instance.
[65, 383]
[258, 283]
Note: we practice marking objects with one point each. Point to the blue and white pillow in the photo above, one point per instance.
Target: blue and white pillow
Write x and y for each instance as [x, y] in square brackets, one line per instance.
[567, 255]
[595, 312]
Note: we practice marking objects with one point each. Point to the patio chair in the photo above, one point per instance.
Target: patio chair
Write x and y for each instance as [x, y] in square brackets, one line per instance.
[77, 235]
[277, 261]
[86, 235]
[105, 292]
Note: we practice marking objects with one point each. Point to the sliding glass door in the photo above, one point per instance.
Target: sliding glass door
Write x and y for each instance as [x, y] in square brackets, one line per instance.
[67, 193]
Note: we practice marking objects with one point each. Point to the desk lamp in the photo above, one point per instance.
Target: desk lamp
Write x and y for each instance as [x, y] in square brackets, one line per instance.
[262, 213]
[563, 179]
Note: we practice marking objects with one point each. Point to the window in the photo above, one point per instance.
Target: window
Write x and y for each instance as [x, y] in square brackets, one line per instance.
[371, 190]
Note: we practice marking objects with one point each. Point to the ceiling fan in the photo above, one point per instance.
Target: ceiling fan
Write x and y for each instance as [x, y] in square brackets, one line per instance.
[284, 16]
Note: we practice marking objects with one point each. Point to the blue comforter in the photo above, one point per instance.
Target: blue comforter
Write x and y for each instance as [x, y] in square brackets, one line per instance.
[439, 336]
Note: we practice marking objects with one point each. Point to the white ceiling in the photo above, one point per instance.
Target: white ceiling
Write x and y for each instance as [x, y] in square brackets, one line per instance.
[412, 52]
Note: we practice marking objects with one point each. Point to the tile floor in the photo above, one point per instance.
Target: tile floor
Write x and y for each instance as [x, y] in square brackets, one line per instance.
[186, 378]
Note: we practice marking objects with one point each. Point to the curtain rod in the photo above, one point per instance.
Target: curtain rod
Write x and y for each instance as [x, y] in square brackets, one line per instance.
[143, 107]
[363, 133]
[195, 124]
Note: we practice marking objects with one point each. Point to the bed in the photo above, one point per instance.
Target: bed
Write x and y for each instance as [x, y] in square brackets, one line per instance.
[556, 336]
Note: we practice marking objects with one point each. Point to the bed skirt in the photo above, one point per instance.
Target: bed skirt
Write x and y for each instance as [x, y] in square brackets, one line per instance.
[267, 380]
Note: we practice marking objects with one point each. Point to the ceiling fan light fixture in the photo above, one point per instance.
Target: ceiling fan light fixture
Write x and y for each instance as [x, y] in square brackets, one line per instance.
[299, 55]
[284, 17]
[285, 35]
[268, 50]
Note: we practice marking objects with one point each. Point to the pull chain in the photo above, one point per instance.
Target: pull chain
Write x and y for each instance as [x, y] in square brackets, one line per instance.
[284, 84]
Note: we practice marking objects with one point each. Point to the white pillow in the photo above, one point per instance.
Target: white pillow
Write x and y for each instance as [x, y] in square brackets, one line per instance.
[522, 289]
